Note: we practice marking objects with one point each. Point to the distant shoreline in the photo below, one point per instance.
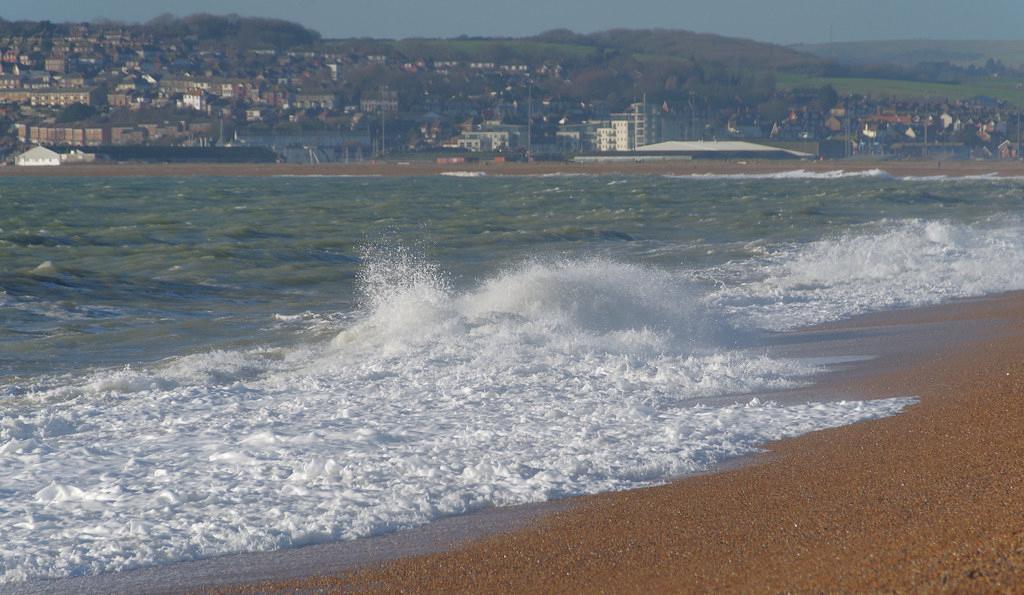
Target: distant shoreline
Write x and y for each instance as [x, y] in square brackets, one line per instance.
[414, 168]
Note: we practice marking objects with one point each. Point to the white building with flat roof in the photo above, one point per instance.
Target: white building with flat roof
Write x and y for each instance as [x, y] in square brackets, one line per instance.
[626, 131]
[484, 141]
[720, 147]
[604, 139]
[676, 150]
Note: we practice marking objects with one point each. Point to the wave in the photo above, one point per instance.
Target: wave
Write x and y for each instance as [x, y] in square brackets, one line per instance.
[892, 264]
[796, 174]
[464, 174]
[838, 174]
[989, 177]
[551, 378]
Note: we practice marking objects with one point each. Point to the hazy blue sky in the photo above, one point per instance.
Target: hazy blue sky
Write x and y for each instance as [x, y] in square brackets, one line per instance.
[784, 21]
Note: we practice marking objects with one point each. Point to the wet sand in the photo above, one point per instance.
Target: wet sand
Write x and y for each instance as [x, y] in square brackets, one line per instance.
[928, 500]
[424, 168]
[221, 571]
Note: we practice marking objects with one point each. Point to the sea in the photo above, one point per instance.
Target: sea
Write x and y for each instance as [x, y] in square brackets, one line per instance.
[193, 367]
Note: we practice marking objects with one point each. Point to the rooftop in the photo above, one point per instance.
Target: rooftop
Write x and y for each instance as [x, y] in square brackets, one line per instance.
[729, 146]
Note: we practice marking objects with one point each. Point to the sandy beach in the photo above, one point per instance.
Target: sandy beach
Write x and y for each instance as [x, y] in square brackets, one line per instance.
[928, 500]
[422, 168]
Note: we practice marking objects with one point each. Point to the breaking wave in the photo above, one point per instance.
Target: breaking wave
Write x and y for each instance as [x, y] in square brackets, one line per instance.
[796, 174]
[549, 379]
[893, 264]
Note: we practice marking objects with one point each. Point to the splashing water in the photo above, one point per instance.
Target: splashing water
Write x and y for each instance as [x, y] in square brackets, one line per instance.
[286, 387]
[896, 264]
[547, 380]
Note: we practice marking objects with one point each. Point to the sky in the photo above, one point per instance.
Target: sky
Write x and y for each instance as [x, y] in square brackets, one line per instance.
[779, 21]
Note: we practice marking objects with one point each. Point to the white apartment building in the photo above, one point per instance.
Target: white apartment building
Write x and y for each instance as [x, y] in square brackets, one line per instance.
[484, 141]
[626, 131]
[605, 140]
[196, 100]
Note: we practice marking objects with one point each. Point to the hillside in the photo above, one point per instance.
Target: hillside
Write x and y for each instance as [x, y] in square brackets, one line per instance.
[1000, 89]
[470, 49]
[574, 49]
[912, 52]
[735, 51]
[201, 29]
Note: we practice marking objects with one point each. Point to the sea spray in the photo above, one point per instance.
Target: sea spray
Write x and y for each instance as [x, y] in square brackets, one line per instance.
[548, 379]
[403, 295]
[885, 265]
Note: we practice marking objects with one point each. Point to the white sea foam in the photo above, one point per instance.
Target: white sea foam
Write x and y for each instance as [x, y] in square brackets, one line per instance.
[989, 177]
[464, 174]
[45, 268]
[838, 174]
[796, 174]
[549, 379]
[893, 264]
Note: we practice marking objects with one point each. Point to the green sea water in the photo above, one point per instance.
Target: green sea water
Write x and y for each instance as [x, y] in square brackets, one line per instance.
[192, 367]
[109, 271]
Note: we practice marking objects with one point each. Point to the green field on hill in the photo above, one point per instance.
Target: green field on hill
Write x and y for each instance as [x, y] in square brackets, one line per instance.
[910, 52]
[1011, 91]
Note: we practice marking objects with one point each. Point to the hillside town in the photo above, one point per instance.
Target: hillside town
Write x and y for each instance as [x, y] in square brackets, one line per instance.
[110, 91]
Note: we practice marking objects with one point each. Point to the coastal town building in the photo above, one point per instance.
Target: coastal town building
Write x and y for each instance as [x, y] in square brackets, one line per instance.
[384, 100]
[196, 99]
[483, 141]
[38, 156]
[51, 97]
[627, 131]
[317, 100]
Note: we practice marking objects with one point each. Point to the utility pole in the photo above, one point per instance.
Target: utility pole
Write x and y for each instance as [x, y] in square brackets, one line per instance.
[529, 124]
[849, 140]
[689, 128]
[375, 152]
[926, 120]
[1018, 135]
[382, 107]
[927, 125]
